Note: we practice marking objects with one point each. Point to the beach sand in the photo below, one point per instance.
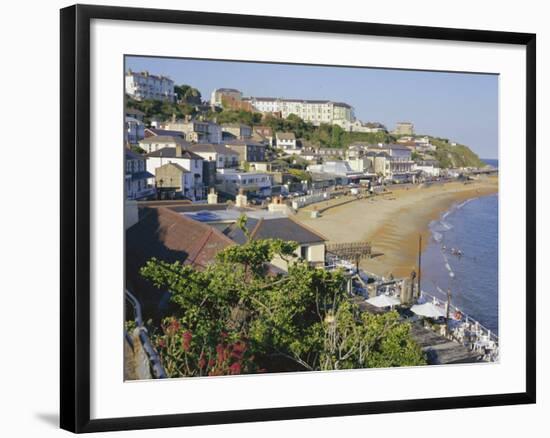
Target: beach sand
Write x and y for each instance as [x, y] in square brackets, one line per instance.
[393, 222]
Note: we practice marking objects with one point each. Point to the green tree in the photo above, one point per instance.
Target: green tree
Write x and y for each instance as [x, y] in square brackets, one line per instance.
[188, 94]
[300, 321]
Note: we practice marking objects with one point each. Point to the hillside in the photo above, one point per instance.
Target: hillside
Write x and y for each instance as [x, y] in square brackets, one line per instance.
[455, 156]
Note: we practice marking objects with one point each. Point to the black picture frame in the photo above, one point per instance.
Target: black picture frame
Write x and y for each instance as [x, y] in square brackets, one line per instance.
[75, 217]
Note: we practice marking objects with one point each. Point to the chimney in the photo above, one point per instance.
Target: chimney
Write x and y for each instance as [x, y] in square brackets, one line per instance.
[277, 205]
[178, 149]
[241, 200]
[212, 196]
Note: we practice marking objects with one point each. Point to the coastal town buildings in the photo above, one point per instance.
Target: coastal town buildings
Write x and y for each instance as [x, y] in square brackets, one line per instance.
[173, 177]
[188, 160]
[428, 167]
[196, 131]
[145, 86]
[359, 126]
[232, 182]
[154, 132]
[267, 224]
[137, 180]
[154, 143]
[314, 111]
[262, 134]
[287, 142]
[219, 94]
[220, 154]
[404, 128]
[135, 130]
[236, 131]
[248, 151]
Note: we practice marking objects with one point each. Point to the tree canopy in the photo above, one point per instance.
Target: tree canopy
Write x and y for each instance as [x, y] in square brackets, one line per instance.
[235, 316]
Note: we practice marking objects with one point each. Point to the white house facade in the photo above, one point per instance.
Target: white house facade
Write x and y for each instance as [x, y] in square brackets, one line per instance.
[231, 181]
[314, 111]
[144, 86]
[184, 158]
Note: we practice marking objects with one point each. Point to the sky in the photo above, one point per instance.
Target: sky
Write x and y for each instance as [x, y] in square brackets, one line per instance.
[462, 107]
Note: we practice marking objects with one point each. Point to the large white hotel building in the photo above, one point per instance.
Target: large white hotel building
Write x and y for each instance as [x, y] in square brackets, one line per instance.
[314, 111]
[143, 86]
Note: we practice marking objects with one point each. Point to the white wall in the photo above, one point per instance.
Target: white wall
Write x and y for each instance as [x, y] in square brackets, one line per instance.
[37, 314]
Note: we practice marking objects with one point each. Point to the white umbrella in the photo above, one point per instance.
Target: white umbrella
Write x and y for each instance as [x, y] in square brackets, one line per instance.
[429, 310]
[383, 301]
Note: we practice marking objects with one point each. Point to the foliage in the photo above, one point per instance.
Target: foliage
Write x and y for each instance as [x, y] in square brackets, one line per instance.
[188, 94]
[300, 321]
[157, 109]
[454, 156]
[184, 354]
[238, 116]
[300, 175]
[137, 149]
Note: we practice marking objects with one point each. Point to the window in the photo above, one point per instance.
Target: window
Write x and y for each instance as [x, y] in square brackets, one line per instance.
[303, 252]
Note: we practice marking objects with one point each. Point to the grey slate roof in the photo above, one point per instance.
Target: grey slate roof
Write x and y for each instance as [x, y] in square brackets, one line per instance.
[285, 229]
[208, 147]
[165, 139]
[171, 153]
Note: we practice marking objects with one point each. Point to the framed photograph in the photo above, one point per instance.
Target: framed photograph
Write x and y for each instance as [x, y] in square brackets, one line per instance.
[269, 218]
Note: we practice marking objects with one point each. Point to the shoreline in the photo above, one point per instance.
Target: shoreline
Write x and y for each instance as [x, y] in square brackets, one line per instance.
[394, 222]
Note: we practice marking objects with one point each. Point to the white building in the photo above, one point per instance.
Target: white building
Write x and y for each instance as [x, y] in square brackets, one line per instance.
[138, 181]
[144, 86]
[314, 111]
[338, 168]
[216, 98]
[286, 141]
[359, 126]
[220, 154]
[186, 159]
[231, 181]
[156, 142]
[392, 160]
[428, 167]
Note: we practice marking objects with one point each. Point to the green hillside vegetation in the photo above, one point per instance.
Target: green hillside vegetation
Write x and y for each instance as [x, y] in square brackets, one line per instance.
[454, 156]
[187, 98]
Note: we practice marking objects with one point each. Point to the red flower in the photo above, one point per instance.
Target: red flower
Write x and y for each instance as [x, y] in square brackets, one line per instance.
[238, 349]
[186, 341]
[202, 362]
[211, 363]
[173, 327]
[235, 368]
[161, 343]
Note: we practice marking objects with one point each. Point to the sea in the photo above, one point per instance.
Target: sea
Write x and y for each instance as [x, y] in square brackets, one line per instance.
[462, 256]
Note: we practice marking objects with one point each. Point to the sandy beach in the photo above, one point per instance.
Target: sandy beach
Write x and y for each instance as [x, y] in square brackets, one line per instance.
[393, 222]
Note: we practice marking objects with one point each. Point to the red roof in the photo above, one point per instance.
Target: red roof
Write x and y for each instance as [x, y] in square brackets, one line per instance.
[171, 237]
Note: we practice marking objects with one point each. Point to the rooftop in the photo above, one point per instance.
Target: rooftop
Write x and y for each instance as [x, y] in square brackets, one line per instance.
[165, 133]
[209, 147]
[172, 153]
[165, 139]
[286, 136]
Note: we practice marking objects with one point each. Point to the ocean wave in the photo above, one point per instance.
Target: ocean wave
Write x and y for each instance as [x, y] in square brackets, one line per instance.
[438, 237]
